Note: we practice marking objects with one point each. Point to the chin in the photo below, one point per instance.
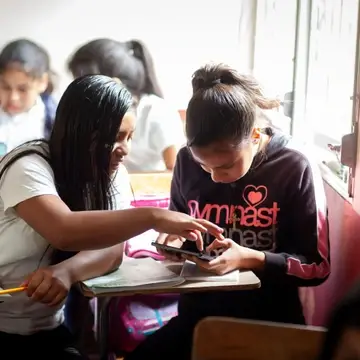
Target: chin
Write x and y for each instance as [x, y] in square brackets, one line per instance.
[13, 112]
[115, 167]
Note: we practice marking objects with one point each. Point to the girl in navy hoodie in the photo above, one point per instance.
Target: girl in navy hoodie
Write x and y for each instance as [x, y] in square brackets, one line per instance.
[263, 191]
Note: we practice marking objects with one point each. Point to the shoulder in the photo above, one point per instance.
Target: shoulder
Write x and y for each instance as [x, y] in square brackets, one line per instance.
[186, 168]
[122, 177]
[299, 165]
[122, 188]
[302, 156]
[32, 165]
[26, 177]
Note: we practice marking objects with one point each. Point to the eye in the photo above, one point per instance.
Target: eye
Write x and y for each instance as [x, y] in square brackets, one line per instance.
[228, 167]
[130, 137]
[4, 87]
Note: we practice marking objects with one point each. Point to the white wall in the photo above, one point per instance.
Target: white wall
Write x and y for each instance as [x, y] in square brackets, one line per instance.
[181, 35]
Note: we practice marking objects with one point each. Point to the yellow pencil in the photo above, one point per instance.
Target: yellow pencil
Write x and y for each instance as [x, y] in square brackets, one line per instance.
[12, 291]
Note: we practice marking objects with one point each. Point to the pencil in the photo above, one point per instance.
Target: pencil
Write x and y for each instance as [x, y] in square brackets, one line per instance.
[12, 291]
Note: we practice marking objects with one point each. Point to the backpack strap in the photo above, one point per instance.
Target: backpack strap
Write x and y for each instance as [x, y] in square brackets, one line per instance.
[50, 112]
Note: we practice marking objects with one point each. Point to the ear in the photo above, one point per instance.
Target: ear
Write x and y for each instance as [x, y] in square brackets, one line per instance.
[255, 136]
[43, 83]
[116, 79]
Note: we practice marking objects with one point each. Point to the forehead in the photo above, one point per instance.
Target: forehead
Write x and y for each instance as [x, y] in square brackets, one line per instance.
[14, 76]
[219, 154]
[128, 122]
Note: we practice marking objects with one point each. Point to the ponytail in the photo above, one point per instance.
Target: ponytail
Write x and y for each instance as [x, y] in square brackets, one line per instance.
[140, 52]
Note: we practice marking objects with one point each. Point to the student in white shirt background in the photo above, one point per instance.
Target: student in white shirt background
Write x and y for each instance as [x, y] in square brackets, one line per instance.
[27, 109]
[65, 194]
[159, 129]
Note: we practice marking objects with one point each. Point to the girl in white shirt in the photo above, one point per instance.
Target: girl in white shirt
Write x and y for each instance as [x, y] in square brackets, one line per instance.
[27, 109]
[66, 194]
[159, 129]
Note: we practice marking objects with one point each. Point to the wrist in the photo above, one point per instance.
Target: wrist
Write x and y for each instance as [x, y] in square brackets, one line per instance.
[255, 260]
[156, 215]
[65, 272]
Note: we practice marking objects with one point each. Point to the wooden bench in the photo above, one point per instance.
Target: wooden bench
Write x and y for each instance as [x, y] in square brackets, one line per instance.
[234, 339]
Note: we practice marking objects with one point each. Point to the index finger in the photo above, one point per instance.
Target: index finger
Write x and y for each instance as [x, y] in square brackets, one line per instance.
[34, 281]
[207, 226]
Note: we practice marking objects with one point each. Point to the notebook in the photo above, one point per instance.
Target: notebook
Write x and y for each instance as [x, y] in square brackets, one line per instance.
[132, 275]
[191, 272]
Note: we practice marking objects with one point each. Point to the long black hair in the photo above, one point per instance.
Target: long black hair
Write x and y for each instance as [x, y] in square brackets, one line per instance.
[346, 315]
[87, 121]
[129, 61]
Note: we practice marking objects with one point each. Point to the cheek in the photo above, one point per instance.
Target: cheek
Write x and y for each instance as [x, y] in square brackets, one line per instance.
[3, 95]
[29, 98]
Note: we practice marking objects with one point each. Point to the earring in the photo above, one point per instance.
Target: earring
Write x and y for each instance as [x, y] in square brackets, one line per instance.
[256, 138]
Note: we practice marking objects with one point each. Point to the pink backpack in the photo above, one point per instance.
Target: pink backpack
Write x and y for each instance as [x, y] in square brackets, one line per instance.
[152, 200]
[135, 317]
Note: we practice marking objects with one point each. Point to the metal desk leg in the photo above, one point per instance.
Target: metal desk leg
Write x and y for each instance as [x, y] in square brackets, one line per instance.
[102, 327]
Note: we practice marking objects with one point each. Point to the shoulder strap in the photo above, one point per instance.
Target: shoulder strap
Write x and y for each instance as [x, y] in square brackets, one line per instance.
[21, 151]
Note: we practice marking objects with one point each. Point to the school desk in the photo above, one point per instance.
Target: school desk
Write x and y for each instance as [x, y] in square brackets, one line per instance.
[247, 281]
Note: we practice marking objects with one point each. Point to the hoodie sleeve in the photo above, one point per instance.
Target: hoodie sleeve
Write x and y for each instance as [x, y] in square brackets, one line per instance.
[302, 258]
[177, 201]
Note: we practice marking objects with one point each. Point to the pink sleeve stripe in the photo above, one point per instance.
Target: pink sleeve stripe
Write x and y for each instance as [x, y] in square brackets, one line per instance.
[321, 270]
[313, 271]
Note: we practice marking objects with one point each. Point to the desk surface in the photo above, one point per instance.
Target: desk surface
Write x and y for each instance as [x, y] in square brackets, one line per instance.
[247, 281]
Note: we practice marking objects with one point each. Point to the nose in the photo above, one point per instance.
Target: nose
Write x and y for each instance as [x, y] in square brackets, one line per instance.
[217, 177]
[14, 96]
[122, 148]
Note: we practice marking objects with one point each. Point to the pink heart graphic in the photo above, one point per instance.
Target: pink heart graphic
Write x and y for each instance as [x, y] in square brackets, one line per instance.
[254, 195]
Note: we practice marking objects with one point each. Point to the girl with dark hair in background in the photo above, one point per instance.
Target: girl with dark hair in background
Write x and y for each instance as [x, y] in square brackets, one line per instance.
[68, 194]
[266, 194]
[159, 130]
[27, 109]
[342, 339]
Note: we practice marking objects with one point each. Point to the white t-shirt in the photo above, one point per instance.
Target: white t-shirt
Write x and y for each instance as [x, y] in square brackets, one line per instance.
[158, 126]
[15, 130]
[22, 250]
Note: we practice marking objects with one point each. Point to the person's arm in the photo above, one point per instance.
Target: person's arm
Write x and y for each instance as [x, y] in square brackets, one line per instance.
[88, 264]
[169, 155]
[29, 189]
[303, 258]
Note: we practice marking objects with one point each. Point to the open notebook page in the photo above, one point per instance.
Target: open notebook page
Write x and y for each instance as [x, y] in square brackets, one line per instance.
[134, 274]
[192, 272]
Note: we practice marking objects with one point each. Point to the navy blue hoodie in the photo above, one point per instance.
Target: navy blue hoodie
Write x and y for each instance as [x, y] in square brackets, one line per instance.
[279, 208]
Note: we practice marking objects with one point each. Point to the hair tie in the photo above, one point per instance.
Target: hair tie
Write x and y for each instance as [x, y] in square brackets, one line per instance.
[216, 81]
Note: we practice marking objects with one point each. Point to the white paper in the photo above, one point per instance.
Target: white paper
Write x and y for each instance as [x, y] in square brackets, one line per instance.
[135, 273]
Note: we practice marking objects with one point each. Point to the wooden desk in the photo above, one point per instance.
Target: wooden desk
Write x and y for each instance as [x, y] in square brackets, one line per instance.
[247, 281]
[151, 183]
